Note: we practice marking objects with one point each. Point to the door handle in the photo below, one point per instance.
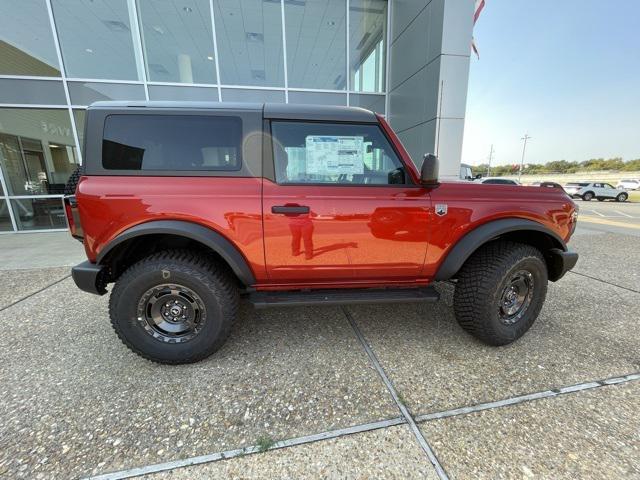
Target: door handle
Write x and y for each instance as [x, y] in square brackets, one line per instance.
[290, 209]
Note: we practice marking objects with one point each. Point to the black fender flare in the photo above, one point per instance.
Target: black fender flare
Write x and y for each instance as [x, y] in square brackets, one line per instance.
[484, 233]
[193, 231]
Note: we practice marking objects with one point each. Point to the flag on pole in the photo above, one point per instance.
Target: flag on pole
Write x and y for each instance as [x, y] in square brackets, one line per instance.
[476, 14]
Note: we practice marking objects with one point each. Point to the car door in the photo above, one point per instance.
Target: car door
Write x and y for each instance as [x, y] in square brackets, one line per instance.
[609, 190]
[340, 206]
[598, 189]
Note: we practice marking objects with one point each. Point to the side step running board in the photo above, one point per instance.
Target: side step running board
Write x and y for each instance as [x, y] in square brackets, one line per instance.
[343, 297]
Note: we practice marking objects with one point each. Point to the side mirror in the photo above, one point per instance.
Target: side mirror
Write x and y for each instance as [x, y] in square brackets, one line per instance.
[429, 170]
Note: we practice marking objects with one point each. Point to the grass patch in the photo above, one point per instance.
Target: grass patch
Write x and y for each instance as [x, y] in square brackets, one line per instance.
[264, 443]
[634, 196]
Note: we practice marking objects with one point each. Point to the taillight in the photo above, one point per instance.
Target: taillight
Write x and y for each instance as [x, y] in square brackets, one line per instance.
[73, 217]
[70, 222]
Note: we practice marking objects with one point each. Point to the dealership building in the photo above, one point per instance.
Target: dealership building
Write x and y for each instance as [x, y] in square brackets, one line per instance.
[406, 59]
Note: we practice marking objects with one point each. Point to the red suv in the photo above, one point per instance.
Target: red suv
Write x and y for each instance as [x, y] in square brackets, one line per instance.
[187, 207]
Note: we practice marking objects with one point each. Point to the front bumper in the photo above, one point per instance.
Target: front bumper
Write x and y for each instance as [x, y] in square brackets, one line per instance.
[90, 277]
[560, 262]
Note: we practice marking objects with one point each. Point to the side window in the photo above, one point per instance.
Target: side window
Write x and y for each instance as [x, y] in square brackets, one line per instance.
[334, 153]
[607, 185]
[171, 142]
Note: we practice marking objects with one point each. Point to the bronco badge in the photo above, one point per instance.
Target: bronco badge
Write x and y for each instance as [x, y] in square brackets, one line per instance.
[441, 209]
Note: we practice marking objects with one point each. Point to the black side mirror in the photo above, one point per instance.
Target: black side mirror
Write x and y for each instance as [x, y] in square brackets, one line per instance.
[429, 170]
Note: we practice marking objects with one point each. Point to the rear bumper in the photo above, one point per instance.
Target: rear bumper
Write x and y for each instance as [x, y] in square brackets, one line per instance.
[560, 262]
[89, 277]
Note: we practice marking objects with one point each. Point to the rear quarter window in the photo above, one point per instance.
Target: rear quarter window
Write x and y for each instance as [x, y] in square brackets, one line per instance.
[172, 142]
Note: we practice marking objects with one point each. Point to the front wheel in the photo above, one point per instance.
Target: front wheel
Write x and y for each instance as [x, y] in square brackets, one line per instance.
[500, 292]
[622, 197]
[173, 307]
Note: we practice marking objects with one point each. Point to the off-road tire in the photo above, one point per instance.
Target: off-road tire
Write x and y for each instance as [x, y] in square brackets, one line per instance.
[200, 274]
[481, 283]
[622, 197]
[72, 183]
[588, 196]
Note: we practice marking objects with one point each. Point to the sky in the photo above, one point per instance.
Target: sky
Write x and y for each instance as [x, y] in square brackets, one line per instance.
[567, 72]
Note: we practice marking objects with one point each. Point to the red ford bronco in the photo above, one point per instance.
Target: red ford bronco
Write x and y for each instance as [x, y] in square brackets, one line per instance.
[187, 207]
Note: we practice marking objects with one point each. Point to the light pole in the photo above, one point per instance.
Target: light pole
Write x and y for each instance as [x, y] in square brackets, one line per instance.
[524, 147]
[490, 158]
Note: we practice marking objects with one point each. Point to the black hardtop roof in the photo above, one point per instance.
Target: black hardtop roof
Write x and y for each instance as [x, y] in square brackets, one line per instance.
[283, 111]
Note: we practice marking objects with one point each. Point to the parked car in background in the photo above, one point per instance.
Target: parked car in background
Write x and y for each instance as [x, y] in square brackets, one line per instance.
[587, 191]
[497, 181]
[547, 185]
[629, 184]
[465, 172]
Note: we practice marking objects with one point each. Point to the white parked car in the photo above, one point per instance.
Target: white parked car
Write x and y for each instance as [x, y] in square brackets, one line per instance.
[496, 181]
[589, 190]
[629, 184]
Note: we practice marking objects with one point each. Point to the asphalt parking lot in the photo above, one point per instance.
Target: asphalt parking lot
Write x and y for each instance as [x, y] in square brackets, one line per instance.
[396, 391]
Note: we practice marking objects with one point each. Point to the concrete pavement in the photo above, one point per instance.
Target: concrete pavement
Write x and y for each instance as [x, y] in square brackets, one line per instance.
[301, 384]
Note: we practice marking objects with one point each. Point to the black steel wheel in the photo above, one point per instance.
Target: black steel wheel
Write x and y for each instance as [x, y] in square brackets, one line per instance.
[174, 307]
[516, 297]
[500, 291]
[171, 313]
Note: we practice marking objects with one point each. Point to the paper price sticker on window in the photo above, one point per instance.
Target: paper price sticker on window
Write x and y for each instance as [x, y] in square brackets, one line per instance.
[334, 155]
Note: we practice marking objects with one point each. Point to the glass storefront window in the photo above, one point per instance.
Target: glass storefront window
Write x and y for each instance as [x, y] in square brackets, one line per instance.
[39, 213]
[26, 40]
[316, 44]
[79, 116]
[37, 153]
[250, 43]
[367, 45]
[178, 41]
[5, 219]
[96, 39]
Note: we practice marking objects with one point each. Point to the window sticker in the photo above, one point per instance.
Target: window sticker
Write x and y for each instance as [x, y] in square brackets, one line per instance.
[334, 155]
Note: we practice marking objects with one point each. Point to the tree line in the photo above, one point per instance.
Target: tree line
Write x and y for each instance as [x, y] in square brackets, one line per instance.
[561, 166]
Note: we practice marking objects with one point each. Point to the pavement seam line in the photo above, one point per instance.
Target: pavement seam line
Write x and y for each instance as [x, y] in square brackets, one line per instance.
[604, 281]
[555, 392]
[422, 441]
[35, 293]
[238, 452]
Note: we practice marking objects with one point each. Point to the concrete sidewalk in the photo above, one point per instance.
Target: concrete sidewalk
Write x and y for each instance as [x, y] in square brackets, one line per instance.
[39, 250]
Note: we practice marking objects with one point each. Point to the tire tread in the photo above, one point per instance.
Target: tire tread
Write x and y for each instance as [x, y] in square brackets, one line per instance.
[477, 281]
[200, 266]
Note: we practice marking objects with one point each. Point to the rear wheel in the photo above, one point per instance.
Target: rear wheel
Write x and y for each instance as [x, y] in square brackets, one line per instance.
[600, 199]
[587, 197]
[173, 307]
[500, 292]
[622, 197]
